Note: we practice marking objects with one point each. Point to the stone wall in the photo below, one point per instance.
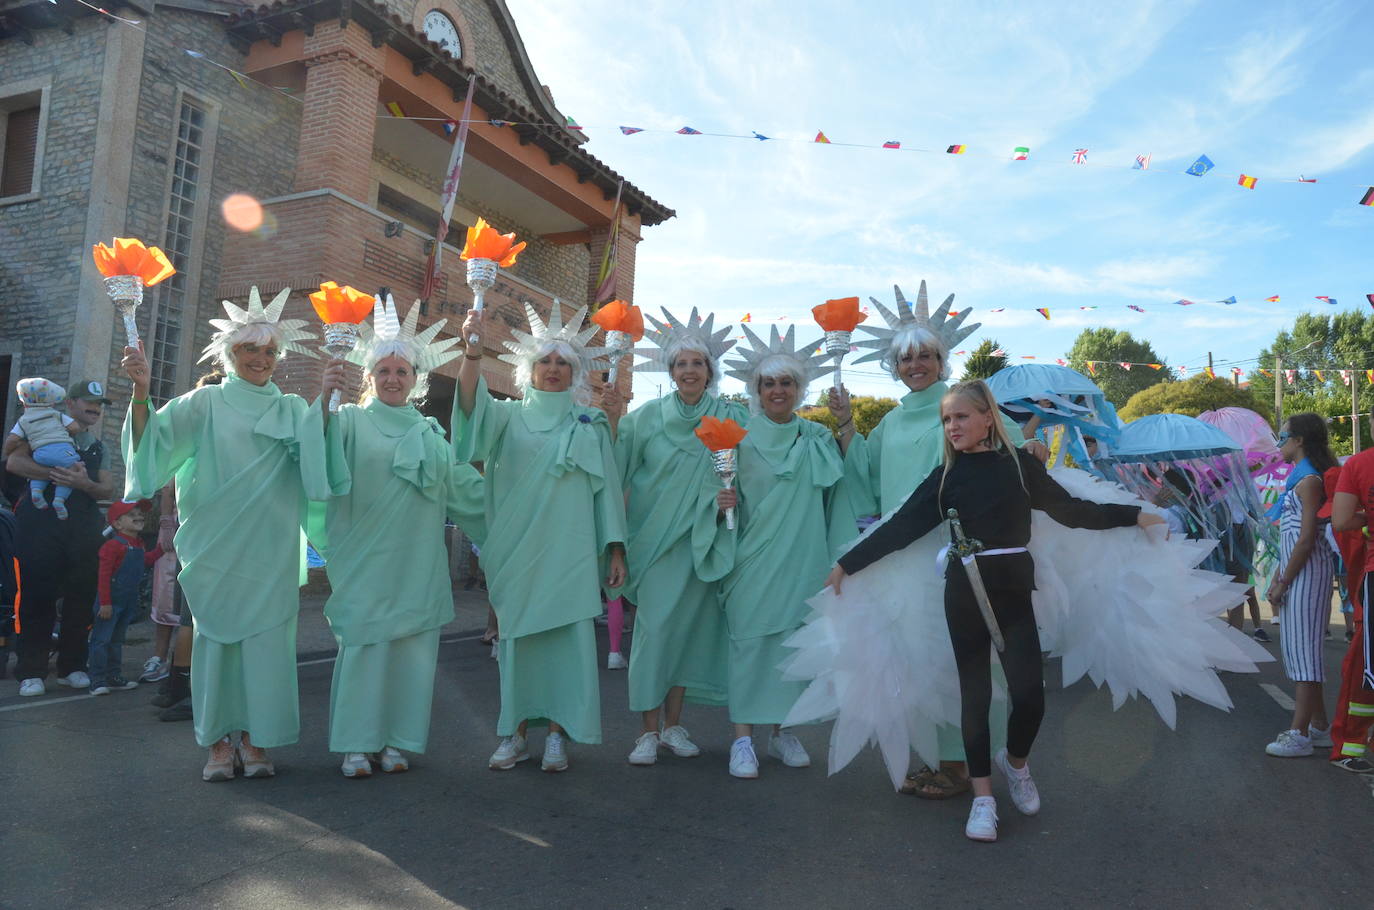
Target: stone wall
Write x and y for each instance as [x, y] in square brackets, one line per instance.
[484, 47]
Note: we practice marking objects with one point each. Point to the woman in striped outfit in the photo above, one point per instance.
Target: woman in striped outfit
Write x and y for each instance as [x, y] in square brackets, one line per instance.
[1302, 585]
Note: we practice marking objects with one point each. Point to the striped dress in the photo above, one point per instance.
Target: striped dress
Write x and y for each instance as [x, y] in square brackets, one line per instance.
[1307, 605]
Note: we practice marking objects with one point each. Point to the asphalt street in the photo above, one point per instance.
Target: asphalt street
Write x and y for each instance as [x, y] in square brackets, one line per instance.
[104, 808]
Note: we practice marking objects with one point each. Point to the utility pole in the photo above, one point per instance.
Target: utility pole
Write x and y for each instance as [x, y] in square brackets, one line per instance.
[1278, 390]
[1210, 372]
[1354, 410]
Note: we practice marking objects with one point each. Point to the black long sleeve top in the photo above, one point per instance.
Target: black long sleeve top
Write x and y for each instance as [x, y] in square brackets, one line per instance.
[993, 506]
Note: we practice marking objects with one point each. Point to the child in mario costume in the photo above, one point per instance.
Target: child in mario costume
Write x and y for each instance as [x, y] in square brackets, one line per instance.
[122, 564]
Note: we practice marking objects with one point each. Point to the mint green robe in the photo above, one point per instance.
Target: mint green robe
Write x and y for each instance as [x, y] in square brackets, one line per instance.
[394, 479]
[782, 557]
[552, 509]
[244, 458]
[881, 472]
[678, 551]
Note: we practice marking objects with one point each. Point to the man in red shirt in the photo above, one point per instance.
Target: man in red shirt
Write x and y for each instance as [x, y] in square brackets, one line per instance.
[1350, 511]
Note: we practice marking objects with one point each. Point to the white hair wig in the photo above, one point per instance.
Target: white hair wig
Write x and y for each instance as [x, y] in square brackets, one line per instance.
[580, 386]
[252, 333]
[677, 348]
[776, 367]
[915, 338]
[395, 347]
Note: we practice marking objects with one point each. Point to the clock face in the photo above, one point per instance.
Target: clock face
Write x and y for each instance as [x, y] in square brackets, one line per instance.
[441, 30]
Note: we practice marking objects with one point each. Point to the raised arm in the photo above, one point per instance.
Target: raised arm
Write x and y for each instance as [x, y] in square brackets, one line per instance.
[470, 371]
[1048, 496]
[136, 368]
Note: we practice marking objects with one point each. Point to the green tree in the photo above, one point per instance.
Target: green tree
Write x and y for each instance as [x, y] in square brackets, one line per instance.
[1192, 397]
[1325, 343]
[984, 361]
[867, 412]
[1109, 347]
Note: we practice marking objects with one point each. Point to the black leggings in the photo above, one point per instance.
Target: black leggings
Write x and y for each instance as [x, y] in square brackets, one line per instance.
[973, 655]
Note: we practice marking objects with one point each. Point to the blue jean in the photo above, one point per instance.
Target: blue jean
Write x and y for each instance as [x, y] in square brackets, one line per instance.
[106, 656]
[54, 455]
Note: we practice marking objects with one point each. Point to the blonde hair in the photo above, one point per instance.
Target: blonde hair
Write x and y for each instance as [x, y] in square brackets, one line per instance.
[977, 394]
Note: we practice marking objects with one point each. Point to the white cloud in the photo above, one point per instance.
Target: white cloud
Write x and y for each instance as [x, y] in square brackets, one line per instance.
[1263, 68]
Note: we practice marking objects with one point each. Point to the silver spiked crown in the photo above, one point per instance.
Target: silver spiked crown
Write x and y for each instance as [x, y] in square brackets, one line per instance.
[808, 363]
[527, 345]
[950, 330]
[291, 331]
[387, 329]
[695, 334]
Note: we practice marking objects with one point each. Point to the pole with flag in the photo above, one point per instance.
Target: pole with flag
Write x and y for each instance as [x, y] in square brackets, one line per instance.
[449, 195]
[605, 276]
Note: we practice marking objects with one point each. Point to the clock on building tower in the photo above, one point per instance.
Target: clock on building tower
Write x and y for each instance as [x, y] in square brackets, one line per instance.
[440, 29]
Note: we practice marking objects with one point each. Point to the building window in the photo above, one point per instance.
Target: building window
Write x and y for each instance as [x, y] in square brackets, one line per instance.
[22, 121]
[188, 163]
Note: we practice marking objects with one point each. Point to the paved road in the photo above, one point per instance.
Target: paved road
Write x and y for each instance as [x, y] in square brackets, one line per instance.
[104, 808]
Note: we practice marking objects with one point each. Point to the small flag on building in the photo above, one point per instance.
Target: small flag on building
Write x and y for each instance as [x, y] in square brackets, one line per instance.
[1142, 163]
[1132, 306]
[820, 137]
[1229, 301]
[1080, 156]
[688, 131]
[956, 149]
[892, 144]
[1247, 181]
[1368, 197]
[572, 124]
[450, 127]
[631, 130]
[1330, 300]
[1274, 299]
[395, 109]
[1202, 165]
[1020, 153]
[1043, 311]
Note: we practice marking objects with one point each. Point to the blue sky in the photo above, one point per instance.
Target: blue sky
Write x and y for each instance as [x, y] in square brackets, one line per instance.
[1273, 90]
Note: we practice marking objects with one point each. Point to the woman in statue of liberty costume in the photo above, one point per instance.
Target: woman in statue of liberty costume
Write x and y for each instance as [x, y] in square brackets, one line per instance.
[245, 458]
[555, 518]
[395, 479]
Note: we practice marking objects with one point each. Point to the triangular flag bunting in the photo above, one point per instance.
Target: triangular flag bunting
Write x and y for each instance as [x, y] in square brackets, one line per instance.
[1274, 299]
[1132, 306]
[820, 137]
[1247, 181]
[1368, 197]
[1330, 300]
[1020, 153]
[631, 130]
[1228, 301]
[1043, 311]
[688, 131]
[1201, 166]
[956, 149]
[892, 144]
[1124, 365]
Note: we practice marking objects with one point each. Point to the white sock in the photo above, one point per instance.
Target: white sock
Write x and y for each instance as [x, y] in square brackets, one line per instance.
[748, 740]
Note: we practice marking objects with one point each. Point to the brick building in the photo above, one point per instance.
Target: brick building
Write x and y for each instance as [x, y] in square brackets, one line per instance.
[110, 130]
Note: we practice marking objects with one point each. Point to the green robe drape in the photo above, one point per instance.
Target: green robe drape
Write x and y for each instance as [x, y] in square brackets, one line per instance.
[552, 509]
[245, 458]
[678, 551]
[782, 558]
[395, 479]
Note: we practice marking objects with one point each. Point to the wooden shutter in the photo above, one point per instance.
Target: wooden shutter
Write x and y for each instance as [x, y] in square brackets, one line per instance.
[21, 147]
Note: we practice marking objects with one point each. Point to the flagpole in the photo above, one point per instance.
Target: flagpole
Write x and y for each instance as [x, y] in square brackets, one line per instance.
[610, 261]
[449, 195]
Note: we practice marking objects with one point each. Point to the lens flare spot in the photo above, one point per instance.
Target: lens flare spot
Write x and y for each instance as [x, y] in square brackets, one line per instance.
[242, 212]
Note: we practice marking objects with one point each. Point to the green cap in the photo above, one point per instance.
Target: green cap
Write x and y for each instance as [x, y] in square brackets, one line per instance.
[89, 390]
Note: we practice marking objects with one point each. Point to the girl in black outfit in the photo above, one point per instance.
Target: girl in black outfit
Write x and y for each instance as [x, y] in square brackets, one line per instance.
[994, 486]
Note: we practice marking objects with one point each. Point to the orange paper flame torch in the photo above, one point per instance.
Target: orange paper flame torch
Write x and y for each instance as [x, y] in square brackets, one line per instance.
[624, 326]
[721, 437]
[838, 318]
[486, 251]
[340, 309]
[129, 267]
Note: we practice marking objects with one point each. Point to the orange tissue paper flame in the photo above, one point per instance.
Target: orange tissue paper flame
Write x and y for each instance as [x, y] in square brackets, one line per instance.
[130, 257]
[720, 434]
[341, 304]
[485, 243]
[619, 316]
[840, 315]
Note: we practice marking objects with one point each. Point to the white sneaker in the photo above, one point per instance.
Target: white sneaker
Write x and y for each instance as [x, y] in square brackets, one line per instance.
[555, 754]
[77, 679]
[356, 764]
[101, 689]
[675, 739]
[511, 751]
[616, 661]
[1290, 744]
[1024, 796]
[1320, 738]
[743, 762]
[495, 651]
[645, 751]
[33, 686]
[982, 820]
[155, 669]
[392, 761]
[787, 749]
